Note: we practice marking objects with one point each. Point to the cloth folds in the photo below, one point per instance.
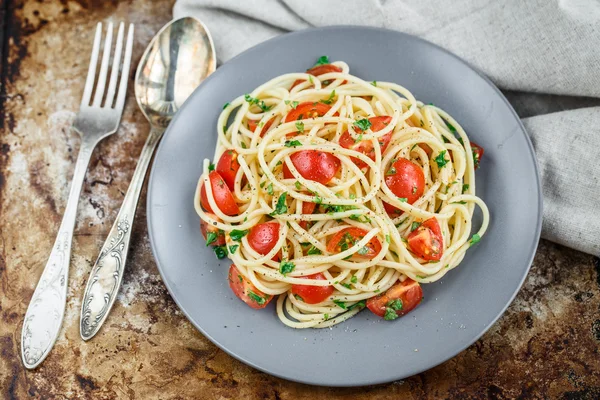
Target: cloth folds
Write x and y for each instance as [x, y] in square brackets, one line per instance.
[533, 51]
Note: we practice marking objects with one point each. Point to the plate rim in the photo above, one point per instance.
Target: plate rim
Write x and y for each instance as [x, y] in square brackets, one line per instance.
[460, 349]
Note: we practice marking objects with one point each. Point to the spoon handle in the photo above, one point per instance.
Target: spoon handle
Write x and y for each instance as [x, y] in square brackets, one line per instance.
[106, 276]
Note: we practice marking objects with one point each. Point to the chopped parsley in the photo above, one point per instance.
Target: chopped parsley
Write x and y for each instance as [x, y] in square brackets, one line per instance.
[318, 199]
[256, 298]
[211, 167]
[360, 218]
[286, 267]
[421, 277]
[233, 248]
[313, 251]
[363, 124]
[374, 83]
[298, 297]
[346, 285]
[352, 196]
[237, 235]
[414, 190]
[450, 127]
[388, 239]
[459, 202]
[403, 199]
[329, 99]
[360, 304]
[244, 145]
[211, 237]
[395, 304]
[465, 187]
[363, 251]
[298, 185]
[281, 207]
[259, 103]
[270, 189]
[354, 279]
[341, 304]
[220, 252]
[390, 314]
[300, 128]
[294, 143]
[415, 225]
[326, 317]
[292, 104]
[225, 105]
[440, 159]
[262, 184]
[391, 171]
[322, 60]
[474, 239]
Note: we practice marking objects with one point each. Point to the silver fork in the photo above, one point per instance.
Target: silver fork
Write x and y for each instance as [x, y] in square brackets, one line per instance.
[94, 121]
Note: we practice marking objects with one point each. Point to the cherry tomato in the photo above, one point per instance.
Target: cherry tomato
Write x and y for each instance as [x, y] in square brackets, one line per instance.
[222, 195]
[314, 165]
[308, 207]
[401, 298]
[252, 124]
[426, 241]
[228, 167]
[263, 237]
[246, 291]
[406, 180]
[366, 146]
[307, 110]
[318, 70]
[205, 228]
[477, 153]
[392, 211]
[347, 237]
[313, 294]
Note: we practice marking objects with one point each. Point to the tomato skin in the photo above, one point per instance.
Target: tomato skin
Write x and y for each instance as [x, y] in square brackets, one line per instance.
[409, 292]
[308, 207]
[392, 211]
[366, 146]
[427, 241]
[351, 235]
[313, 294]
[222, 195]
[263, 237]
[252, 124]
[205, 227]
[307, 110]
[477, 153]
[318, 70]
[406, 180]
[242, 287]
[314, 165]
[228, 167]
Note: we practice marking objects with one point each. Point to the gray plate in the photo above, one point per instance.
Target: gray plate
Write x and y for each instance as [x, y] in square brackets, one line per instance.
[365, 350]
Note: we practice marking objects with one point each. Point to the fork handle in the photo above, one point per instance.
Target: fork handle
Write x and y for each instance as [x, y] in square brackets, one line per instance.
[107, 274]
[47, 306]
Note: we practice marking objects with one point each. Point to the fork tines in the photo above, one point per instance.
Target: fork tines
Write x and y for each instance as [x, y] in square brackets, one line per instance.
[99, 94]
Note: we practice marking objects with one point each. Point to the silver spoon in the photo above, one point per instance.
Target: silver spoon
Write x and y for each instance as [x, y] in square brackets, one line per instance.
[176, 61]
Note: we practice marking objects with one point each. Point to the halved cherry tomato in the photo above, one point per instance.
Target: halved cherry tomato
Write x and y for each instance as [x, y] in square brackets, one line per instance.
[318, 70]
[252, 124]
[205, 228]
[477, 153]
[263, 237]
[347, 237]
[427, 241]
[401, 298]
[307, 110]
[406, 180]
[246, 291]
[308, 207]
[314, 165]
[222, 195]
[392, 211]
[313, 294]
[228, 167]
[366, 146]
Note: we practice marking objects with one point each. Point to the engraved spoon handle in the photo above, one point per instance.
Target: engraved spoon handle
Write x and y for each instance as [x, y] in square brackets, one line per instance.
[47, 306]
[106, 276]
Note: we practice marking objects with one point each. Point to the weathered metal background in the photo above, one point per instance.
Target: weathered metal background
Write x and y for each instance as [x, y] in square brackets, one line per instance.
[546, 345]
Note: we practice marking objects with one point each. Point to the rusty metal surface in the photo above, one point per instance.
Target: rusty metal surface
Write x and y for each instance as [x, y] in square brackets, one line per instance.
[546, 345]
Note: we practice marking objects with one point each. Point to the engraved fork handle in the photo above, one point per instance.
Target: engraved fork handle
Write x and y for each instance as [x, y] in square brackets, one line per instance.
[47, 306]
[106, 276]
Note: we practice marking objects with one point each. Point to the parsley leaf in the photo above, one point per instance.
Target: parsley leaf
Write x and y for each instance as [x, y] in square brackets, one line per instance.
[237, 235]
[329, 99]
[440, 159]
[211, 237]
[294, 143]
[354, 279]
[415, 225]
[403, 199]
[286, 267]
[326, 317]
[259, 103]
[450, 127]
[313, 250]
[220, 252]
[395, 304]
[256, 298]
[341, 304]
[360, 304]
[270, 189]
[390, 314]
[363, 124]
[465, 187]
[211, 167]
[360, 218]
[281, 207]
[388, 239]
[474, 239]
[300, 127]
[363, 251]
[225, 105]
[374, 83]
[346, 285]
[322, 60]
[391, 171]
[233, 248]
[459, 202]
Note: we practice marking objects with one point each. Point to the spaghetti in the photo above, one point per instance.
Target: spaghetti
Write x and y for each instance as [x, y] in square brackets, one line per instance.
[338, 194]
